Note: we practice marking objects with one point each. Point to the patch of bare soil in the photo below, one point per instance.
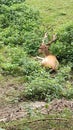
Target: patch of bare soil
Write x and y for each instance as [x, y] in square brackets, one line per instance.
[21, 110]
[12, 109]
[10, 90]
[58, 105]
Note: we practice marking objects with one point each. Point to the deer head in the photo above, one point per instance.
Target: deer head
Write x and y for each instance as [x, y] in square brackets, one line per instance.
[44, 47]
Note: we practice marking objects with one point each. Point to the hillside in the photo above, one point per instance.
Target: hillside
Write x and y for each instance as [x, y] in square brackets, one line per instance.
[55, 14]
[30, 93]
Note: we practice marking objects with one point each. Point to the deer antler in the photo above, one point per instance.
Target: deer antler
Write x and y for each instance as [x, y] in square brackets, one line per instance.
[45, 36]
[54, 38]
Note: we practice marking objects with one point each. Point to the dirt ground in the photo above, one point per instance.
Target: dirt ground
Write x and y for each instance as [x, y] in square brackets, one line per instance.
[12, 109]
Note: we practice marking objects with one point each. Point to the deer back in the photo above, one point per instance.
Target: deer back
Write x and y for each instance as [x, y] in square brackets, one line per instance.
[50, 61]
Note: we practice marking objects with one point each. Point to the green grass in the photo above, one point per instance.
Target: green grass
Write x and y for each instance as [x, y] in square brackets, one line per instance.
[54, 13]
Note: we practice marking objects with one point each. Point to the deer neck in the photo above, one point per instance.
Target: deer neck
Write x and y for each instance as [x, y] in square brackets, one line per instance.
[46, 52]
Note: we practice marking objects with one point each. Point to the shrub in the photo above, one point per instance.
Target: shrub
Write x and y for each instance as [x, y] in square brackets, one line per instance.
[15, 61]
[30, 67]
[9, 60]
[63, 48]
[42, 88]
[47, 88]
[10, 2]
[20, 25]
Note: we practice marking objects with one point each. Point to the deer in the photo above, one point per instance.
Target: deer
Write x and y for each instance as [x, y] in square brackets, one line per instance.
[50, 60]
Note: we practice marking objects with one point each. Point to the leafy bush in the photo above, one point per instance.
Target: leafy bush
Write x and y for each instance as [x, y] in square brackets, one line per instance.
[9, 59]
[43, 89]
[47, 88]
[14, 61]
[64, 45]
[10, 2]
[20, 25]
[30, 67]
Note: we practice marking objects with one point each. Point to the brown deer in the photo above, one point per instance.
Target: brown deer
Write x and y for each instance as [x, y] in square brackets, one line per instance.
[50, 60]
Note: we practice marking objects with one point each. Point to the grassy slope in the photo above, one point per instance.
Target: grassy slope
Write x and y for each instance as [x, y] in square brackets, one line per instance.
[54, 13]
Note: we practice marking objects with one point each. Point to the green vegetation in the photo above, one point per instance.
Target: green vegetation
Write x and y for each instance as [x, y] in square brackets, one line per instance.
[46, 87]
[19, 25]
[54, 13]
[22, 26]
[21, 31]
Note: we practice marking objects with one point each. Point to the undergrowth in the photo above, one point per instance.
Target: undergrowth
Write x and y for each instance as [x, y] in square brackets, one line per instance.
[21, 33]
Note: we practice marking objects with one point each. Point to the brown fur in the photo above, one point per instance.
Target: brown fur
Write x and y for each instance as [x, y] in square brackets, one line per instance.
[50, 60]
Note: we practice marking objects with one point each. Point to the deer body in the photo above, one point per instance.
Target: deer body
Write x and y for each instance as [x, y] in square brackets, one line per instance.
[49, 60]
